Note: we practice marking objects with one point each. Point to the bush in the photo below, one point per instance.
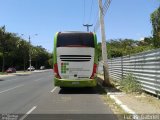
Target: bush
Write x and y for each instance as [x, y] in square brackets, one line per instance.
[130, 84]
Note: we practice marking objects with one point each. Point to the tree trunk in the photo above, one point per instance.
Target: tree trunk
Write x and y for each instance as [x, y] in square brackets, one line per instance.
[3, 64]
[24, 64]
[36, 64]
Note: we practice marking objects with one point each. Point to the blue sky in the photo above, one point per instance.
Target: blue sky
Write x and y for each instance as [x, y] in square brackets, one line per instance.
[124, 19]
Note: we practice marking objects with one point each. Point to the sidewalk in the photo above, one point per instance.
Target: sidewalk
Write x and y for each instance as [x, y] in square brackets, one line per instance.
[14, 74]
[134, 103]
[21, 73]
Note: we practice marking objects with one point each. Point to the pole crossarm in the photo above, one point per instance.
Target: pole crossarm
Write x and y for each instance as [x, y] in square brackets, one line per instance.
[87, 25]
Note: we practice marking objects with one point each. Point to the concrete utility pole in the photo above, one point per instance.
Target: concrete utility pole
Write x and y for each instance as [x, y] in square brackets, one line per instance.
[30, 58]
[30, 61]
[87, 25]
[104, 50]
[3, 52]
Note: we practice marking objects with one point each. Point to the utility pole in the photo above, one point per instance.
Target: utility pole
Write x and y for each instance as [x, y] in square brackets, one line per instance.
[30, 58]
[3, 49]
[30, 64]
[87, 25]
[104, 50]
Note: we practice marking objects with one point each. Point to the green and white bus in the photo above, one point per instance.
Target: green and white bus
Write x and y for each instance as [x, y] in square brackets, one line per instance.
[75, 59]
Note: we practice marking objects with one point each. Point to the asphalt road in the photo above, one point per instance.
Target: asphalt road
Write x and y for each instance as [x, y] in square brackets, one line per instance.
[34, 96]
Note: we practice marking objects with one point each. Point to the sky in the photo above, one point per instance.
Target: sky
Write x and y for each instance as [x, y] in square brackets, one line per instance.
[124, 18]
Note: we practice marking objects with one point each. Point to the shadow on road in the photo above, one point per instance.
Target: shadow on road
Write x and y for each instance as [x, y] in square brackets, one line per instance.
[111, 88]
[71, 117]
[1, 80]
[95, 90]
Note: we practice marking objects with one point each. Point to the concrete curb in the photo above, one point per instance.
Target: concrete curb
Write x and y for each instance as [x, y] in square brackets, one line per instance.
[4, 76]
[22, 73]
[39, 71]
[118, 102]
[13, 74]
[124, 107]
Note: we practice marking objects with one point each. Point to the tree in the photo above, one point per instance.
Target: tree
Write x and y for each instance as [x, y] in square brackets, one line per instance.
[23, 51]
[40, 56]
[155, 19]
[99, 51]
[14, 52]
[122, 47]
[5, 44]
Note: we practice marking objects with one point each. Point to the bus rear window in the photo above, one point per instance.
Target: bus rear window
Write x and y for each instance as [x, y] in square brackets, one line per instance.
[75, 39]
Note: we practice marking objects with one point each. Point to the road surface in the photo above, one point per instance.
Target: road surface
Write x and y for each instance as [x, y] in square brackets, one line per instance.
[34, 96]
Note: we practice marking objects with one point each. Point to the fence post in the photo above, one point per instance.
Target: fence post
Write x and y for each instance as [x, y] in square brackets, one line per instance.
[111, 69]
[122, 67]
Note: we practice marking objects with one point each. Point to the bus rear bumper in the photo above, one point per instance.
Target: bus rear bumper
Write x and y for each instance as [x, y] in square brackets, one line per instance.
[75, 83]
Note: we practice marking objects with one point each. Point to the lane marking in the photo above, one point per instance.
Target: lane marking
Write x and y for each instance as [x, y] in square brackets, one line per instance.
[34, 107]
[11, 88]
[29, 112]
[53, 89]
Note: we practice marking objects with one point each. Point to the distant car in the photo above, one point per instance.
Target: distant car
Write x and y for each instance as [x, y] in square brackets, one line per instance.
[11, 70]
[31, 68]
[42, 67]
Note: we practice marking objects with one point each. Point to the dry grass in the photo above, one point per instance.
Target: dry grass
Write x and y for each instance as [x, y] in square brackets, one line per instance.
[117, 110]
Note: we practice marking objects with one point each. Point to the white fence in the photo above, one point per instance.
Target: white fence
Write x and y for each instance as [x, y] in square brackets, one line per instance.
[144, 66]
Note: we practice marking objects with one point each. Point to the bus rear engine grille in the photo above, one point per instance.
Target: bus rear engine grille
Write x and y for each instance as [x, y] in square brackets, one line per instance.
[75, 58]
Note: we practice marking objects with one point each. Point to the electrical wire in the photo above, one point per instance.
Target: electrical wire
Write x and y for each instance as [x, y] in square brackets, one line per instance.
[104, 11]
[84, 11]
[90, 12]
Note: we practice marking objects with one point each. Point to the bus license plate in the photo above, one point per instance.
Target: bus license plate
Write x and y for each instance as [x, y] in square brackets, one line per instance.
[75, 83]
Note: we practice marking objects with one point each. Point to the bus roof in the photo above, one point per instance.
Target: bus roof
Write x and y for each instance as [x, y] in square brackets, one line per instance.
[74, 38]
[75, 32]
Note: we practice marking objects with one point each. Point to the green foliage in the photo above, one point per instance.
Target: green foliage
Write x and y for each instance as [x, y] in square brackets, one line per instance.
[119, 47]
[40, 56]
[50, 61]
[130, 84]
[155, 19]
[122, 47]
[99, 51]
[14, 51]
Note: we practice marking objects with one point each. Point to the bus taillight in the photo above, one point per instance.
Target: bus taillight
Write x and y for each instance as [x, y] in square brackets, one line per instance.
[56, 73]
[94, 71]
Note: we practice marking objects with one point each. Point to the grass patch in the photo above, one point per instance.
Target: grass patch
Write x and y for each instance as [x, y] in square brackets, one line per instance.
[129, 84]
[117, 110]
[3, 73]
[149, 99]
[100, 79]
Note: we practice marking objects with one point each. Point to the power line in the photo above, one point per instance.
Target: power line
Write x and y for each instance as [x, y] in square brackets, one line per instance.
[104, 10]
[87, 25]
[84, 11]
[90, 12]
[97, 18]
